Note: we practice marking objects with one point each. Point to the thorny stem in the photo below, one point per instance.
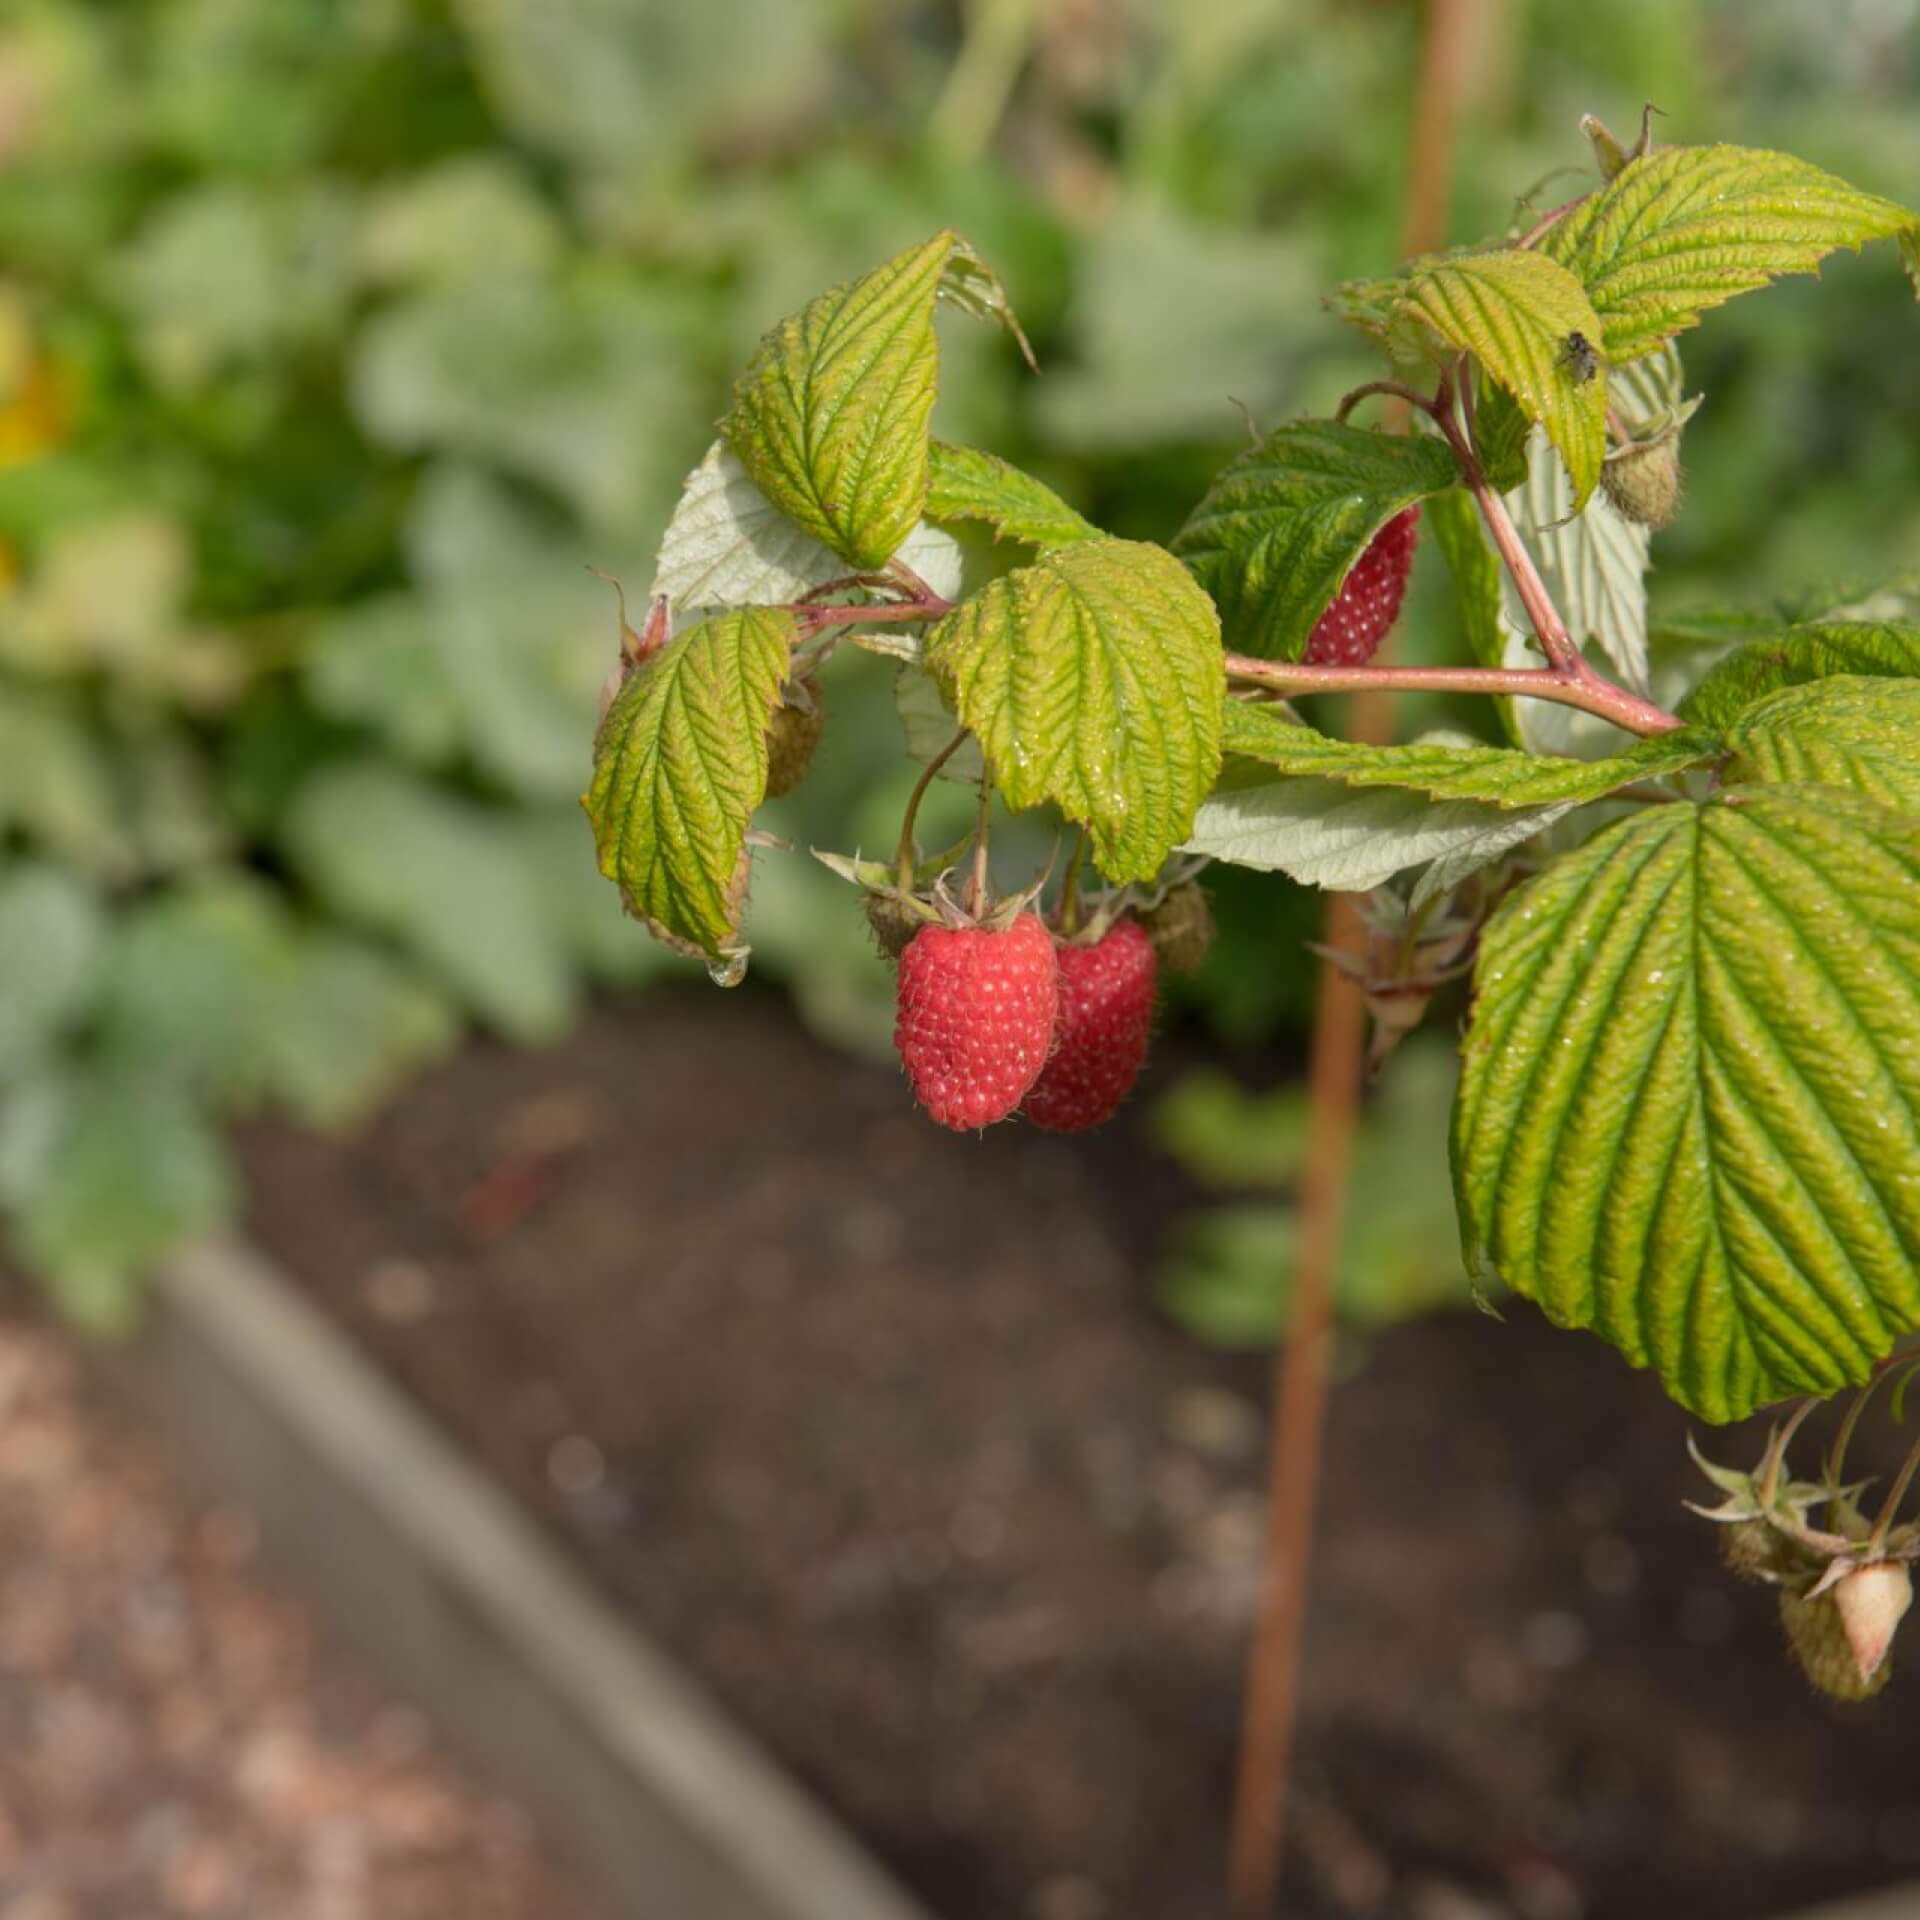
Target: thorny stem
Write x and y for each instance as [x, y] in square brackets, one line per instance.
[1590, 693]
[904, 860]
[815, 619]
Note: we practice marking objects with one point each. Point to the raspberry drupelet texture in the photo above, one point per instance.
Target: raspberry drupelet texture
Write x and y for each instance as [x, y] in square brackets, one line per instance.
[976, 1018]
[1349, 633]
[1100, 1042]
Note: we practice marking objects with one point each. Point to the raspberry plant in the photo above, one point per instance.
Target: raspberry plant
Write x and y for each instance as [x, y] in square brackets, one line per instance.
[1689, 1111]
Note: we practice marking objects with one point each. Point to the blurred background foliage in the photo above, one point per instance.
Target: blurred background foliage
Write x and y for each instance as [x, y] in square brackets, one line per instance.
[339, 337]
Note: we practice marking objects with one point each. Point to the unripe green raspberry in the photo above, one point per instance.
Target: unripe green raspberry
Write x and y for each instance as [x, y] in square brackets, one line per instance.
[791, 739]
[1181, 927]
[893, 922]
[1752, 1550]
[1817, 1638]
[1643, 482]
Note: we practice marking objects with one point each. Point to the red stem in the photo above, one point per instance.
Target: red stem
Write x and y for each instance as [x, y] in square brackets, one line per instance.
[1588, 691]
[815, 619]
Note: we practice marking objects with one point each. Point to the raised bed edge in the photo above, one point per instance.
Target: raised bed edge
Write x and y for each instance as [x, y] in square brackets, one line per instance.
[662, 1803]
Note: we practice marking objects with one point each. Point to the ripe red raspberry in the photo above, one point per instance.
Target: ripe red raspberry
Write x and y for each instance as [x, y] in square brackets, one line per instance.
[1349, 633]
[976, 1018]
[1106, 1015]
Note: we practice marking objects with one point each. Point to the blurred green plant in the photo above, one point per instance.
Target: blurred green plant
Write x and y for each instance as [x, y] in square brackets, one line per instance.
[1227, 1270]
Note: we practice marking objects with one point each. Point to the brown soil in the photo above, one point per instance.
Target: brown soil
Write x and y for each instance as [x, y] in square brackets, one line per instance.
[871, 1425]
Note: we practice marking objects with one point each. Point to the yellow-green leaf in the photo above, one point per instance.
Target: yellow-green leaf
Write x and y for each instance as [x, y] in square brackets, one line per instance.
[679, 765]
[967, 484]
[830, 418]
[1681, 230]
[1092, 679]
[1844, 731]
[1689, 1112]
[1526, 319]
[1796, 655]
[1497, 775]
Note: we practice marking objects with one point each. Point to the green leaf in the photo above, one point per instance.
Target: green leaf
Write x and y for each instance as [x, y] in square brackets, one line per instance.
[1516, 313]
[1683, 229]
[55, 785]
[679, 765]
[1690, 1109]
[966, 484]
[353, 1025]
[1092, 679]
[1454, 524]
[830, 418]
[199, 976]
[1796, 656]
[442, 876]
[1325, 834]
[1844, 731]
[129, 1167]
[1282, 525]
[53, 939]
[1500, 431]
[1493, 774]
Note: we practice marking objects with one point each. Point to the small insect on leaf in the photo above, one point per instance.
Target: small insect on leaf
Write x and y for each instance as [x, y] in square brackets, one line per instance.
[1580, 357]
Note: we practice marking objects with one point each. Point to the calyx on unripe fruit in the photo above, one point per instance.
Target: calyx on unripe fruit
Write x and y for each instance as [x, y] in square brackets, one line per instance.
[1181, 927]
[793, 734]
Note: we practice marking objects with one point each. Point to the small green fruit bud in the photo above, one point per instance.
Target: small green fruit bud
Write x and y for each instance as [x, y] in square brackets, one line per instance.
[1181, 927]
[893, 922]
[791, 739]
[1643, 482]
[1752, 1550]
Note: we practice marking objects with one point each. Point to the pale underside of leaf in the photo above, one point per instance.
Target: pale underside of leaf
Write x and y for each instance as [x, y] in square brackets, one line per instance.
[680, 764]
[1683, 229]
[1495, 775]
[728, 545]
[1282, 525]
[1517, 313]
[1324, 833]
[1092, 679]
[1689, 1115]
[1844, 731]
